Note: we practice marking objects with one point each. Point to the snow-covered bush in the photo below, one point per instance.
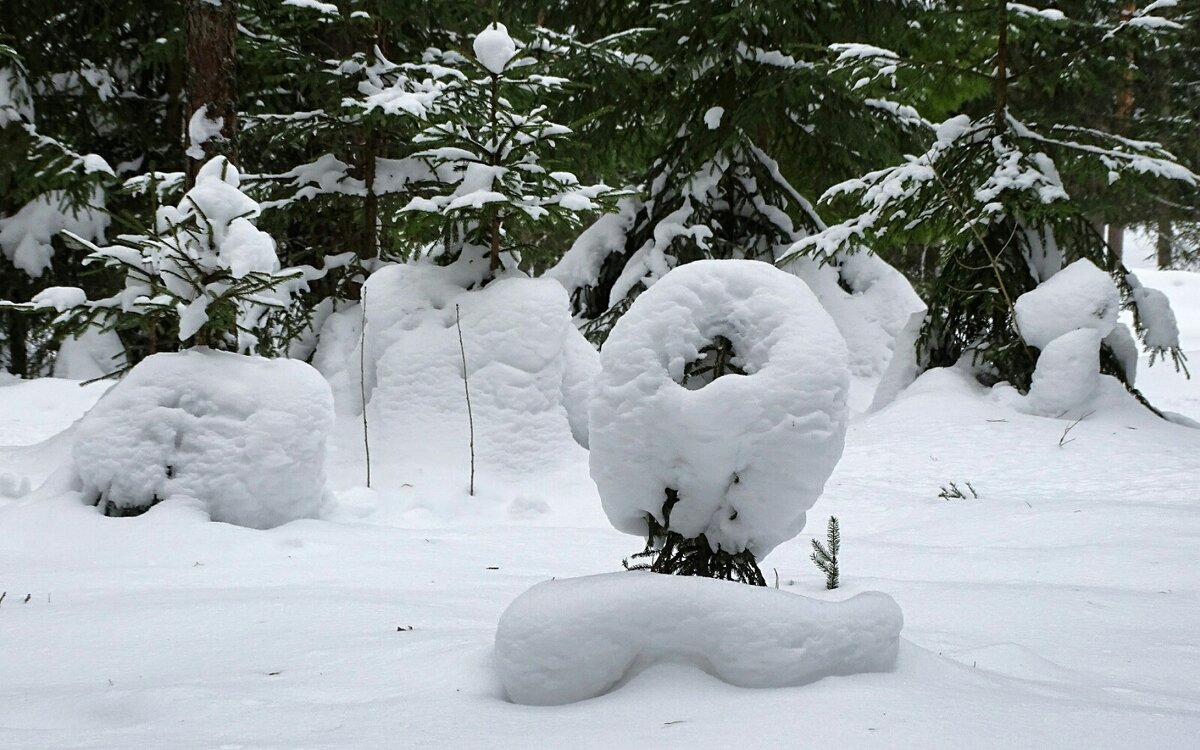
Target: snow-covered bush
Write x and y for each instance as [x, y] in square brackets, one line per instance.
[244, 436]
[92, 354]
[206, 272]
[1066, 318]
[487, 137]
[529, 370]
[568, 640]
[719, 415]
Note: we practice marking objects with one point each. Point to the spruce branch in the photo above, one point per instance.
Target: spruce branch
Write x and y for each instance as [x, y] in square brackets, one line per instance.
[825, 556]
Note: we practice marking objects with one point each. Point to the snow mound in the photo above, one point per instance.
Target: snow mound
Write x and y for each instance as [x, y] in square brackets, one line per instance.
[1067, 373]
[244, 436]
[92, 354]
[1078, 296]
[572, 639]
[880, 316]
[747, 454]
[494, 48]
[529, 370]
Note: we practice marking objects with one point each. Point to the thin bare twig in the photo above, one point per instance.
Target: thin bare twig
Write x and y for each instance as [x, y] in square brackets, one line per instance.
[467, 391]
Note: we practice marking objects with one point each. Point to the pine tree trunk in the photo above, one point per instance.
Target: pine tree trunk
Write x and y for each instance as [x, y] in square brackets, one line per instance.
[1165, 245]
[370, 245]
[1116, 240]
[18, 356]
[210, 28]
[1000, 84]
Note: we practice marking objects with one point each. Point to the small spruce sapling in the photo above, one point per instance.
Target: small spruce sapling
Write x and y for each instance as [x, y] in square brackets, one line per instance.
[825, 556]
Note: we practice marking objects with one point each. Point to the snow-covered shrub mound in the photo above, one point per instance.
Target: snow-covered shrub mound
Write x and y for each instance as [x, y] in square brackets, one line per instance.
[878, 313]
[568, 640]
[529, 370]
[746, 454]
[92, 354]
[1067, 373]
[1078, 296]
[1067, 317]
[245, 436]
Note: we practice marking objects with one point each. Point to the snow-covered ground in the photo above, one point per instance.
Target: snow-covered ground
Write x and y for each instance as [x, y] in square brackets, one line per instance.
[1060, 608]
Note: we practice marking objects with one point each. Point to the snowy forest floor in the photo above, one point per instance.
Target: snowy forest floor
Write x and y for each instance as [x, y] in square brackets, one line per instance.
[1057, 609]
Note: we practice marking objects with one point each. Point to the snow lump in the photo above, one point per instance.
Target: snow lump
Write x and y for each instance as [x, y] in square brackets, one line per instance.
[568, 640]
[244, 436]
[747, 454]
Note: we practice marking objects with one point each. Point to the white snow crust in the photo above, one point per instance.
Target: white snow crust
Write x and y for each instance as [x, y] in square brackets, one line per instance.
[571, 639]
[1078, 296]
[748, 455]
[243, 436]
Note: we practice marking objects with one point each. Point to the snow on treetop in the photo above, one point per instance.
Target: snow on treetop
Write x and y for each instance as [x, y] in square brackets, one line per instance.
[494, 47]
[746, 454]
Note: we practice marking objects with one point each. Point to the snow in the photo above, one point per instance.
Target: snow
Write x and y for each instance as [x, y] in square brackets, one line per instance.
[878, 314]
[1067, 374]
[748, 455]
[712, 118]
[1078, 296]
[242, 436]
[1154, 311]
[201, 130]
[568, 640]
[494, 48]
[59, 298]
[25, 236]
[1057, 609]
[91, 354]
[328, 9]
[1031, 619]
[580, 265]
[529, 373]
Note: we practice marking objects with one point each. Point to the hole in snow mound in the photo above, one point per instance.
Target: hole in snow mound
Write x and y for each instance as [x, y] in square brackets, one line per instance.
[715, 360]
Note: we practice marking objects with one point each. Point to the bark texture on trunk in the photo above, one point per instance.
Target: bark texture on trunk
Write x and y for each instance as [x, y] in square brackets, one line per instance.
[210, 28]
[1166, 244]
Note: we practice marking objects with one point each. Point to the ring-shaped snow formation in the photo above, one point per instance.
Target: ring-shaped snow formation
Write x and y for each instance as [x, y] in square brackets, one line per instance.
[747, 455]
[571, 639]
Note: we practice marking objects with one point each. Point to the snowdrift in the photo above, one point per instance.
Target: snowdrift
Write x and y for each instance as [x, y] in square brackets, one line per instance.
[568, 640]
[245, 436]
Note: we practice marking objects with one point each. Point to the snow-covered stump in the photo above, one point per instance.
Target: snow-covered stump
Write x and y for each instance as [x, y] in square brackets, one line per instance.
[243, 436]
[572, 639]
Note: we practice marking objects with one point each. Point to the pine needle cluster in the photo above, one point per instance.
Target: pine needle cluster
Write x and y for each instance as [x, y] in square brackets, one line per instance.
[825, 556]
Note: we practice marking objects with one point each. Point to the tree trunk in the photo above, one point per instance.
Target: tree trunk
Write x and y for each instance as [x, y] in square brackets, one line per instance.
[1000, 84]
[1116, 241]
[1165, 244]
[210, 28]
[18, 356]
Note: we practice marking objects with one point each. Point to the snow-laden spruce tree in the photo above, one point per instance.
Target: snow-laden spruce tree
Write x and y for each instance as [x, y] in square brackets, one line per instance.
[489, 144]
[992, 192]
[205, 273]
[46, 186]
[739, 110]
[719, 414]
